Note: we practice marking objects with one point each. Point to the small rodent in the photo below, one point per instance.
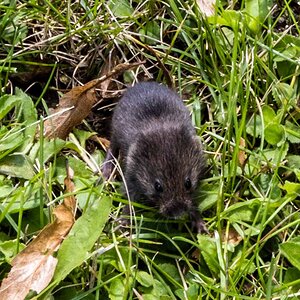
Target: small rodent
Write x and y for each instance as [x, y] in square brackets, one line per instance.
[160, 154]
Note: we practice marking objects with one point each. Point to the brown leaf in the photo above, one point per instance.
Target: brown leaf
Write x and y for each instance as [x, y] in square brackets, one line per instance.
[33, 268]
[242, 155]
[75, 105]
[231, 237]
[207, 7]
[102, 141]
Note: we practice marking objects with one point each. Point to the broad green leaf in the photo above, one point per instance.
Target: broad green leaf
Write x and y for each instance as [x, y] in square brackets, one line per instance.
[10, 142]
[268, 114]
[150, 33]
[17, 166]
[208, 250]
[208, 196]
[159, 289]
[7, 103]
[29, 114]
[23, 198]
[9, 249]
[292, 132]
[50, 149]
[291, 250]
[277, 155]
[83, 235]
[144, 278]
[78, 166]
[230, 18]
[266, 184]
[274, 133]
[291, 187]
[243, 211]
[28, 118]
[82, 136]
[15, 29]
[245, 267]
[191, 293]
[257, 10]
[149, 297]
[293, 161]
[171, 270]
[5, 190]
[117, 289]
[292, 274]
[284, 95]
[121, 8]
[254, 126]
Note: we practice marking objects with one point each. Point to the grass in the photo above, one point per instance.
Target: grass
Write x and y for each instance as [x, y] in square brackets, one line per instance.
[238, 71]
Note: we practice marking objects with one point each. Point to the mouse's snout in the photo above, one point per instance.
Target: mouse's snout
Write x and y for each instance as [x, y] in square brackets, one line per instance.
[174, 209]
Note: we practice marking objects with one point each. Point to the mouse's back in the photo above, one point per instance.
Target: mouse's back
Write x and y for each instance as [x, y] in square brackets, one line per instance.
[143, 106]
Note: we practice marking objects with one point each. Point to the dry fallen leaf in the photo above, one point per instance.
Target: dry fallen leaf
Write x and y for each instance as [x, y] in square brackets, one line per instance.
[231, 237]
[75, 105]
[33, 268]
[102, 141]
[242, 155]
[207, 7]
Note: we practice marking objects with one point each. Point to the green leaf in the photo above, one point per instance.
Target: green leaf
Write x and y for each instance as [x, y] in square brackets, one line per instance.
[144, 279]
[9, 249]
[29, 114]
[150, 33]
[159, 289]
[208, 250]
[292, 274]
[5, 190]
[229, 17]
[17, 166]
[243, 211]
[291, 187]
[262, 183]
[50, 149]
[23, 198]
[171, 270]
[7, 103]
[10, 141]
[84, 233]
[121, 8]
[274, 133]
[257, 10]
[291, 250]
[191, 293]
[254, 126]
[276, 155]
[268, 114]
[117, 289]
[284, 95]
[208, 196]
[292, 132]
[293, 161]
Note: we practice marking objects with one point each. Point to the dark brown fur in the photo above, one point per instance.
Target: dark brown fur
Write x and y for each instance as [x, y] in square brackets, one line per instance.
[161, 156]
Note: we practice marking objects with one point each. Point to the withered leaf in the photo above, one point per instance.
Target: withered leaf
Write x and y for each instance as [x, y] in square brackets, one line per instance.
[207, 7]
[242, 155]
[231, 237]
[75, 105]
[33, 268]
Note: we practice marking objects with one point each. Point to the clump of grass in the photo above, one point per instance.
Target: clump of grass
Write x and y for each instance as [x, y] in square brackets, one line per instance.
[238, 71]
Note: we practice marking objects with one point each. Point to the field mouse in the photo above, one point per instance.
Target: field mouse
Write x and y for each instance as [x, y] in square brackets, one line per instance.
[160, 154]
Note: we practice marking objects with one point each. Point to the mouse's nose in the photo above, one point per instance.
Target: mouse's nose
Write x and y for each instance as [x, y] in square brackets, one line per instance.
[173, 209]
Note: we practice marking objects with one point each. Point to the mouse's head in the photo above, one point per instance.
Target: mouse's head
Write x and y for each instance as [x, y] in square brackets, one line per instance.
[163, 169]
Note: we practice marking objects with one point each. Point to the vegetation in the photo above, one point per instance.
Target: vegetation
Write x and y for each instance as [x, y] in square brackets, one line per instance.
[238, 69]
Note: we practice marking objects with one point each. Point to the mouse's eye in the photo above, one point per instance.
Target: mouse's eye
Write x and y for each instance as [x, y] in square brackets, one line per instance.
[158, 187]
[188, 183]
